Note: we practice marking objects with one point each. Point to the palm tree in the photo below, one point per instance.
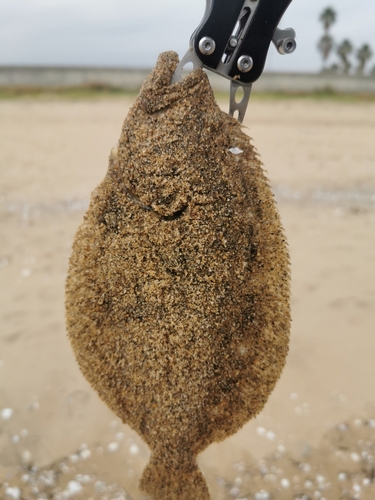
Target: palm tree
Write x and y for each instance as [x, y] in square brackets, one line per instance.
[364, 53]
[325, 46]
[328, 17]
[344, 50]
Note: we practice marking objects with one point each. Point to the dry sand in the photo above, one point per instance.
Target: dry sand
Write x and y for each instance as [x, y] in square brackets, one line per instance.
[316, 435]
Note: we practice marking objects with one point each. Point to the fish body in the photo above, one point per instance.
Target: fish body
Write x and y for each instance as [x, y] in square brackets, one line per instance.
[177, 295]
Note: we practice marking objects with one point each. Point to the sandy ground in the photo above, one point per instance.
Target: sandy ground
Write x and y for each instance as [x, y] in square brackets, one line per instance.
[316, 436]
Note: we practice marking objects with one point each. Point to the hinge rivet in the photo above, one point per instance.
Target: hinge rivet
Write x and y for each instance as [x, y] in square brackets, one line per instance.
[207, 45]
[245, 63]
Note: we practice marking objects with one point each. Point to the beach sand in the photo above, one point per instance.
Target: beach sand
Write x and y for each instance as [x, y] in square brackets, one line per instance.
[316, 435]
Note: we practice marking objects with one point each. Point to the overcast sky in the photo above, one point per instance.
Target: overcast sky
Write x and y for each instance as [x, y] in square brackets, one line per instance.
[129, 33]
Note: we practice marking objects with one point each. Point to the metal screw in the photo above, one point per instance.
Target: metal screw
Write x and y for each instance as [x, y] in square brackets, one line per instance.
[207, 45]
[245, 63]
[287, 46]
[233, 42]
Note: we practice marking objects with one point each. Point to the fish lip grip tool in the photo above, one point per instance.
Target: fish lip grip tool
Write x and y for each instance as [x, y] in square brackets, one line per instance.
[233, 39]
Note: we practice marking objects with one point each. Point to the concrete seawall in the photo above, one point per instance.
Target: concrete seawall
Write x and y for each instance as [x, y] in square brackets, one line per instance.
[132, 79]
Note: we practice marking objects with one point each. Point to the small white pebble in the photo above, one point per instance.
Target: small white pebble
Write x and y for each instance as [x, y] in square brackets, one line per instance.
[371, 422]
[238, 481]
[83, 478]
[343, 427]
[24, 433]
[261, 431]
[234, 492]
[293, 396]
[308, 484]
[285, 483]
[270, 435]
[100, 487]
[6, 413]
[25, 273]
[85, 454]
[15, 439]
[240, 467]
[262, 495]
[73, 458]
[317, 494]
[356, 488]
[355, 457]
[25, 478]
[263, 469]
[342, 476]
[357, 422]
[120, 436]
[305, 467]
[366, 481]
[133, 449]
[113, 447]
[13, 492]
[26, 456]
[74, 487]
[281, 448]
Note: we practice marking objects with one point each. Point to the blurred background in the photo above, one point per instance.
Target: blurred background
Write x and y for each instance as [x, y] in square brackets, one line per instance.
[69, 71]
[131, 34]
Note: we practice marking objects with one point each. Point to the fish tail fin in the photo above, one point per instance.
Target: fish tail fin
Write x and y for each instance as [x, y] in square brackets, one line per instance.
[173, 478]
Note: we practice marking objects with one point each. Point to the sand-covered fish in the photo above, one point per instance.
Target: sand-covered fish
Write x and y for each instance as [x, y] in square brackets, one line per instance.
[177, 295]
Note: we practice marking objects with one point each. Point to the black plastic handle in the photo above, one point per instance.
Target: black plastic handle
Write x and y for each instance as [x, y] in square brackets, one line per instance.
[258, 38]
[218, 25]
[219, 22]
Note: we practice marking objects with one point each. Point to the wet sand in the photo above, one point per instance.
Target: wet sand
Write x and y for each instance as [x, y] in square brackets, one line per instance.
[320, 158]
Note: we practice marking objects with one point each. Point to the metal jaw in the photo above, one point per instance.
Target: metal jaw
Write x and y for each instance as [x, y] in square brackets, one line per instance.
[189, 57]
[239, 106]
[234, 105]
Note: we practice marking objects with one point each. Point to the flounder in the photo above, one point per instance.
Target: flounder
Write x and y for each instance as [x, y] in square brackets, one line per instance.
[177, 296]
